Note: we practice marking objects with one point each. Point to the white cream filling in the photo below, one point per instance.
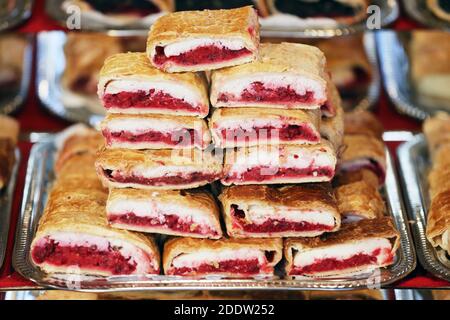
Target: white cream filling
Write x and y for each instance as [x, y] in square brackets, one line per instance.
[138, 126]
[344, 251]
[300, 84]
[179, 47]
[126, 249]
[156, 172]
[172, 88]
[202, 256]
[154, 209]
[248, 124]
[260, 214]
[269, 156]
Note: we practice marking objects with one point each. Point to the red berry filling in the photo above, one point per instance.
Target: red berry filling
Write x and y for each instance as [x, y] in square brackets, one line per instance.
[259, 174]
[91, 257]
[186, 137]
[151, 99]
[170, 221]
[274, 225]
[258, 92]
[200, 55]
[238, 267]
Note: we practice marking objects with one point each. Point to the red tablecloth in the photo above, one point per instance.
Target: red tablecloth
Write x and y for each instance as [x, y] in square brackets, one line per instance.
[33, 117]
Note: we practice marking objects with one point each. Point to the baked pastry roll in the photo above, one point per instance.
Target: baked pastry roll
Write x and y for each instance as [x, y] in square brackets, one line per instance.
[287, 75]
[252, 126]
[432, 80]
[343, 11]
[306, 210]
[348, 177]
[332, 129]
[181, 213]
[363, 152]
[204, 40]
[357, 247]
[438, 221]
[130, 84]
[440, 8]
[13, 47]
[279, 164]
[359, 200]
[437, 131]
[9, 133]
[229, 258]
[329, 108]
[183, 5]
[162, 169]
[363, 122]
[154, 131]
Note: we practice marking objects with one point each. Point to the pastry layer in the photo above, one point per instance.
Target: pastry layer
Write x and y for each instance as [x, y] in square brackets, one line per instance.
[254, 126]
[204, 40]
[130, 84]
[297, 211]
[163, 169]
[279, 164]
[229, 258]
[287, 75]
[154, 132]
[182, 213]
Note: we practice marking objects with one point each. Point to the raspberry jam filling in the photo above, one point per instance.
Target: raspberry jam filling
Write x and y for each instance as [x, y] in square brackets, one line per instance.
[316, 9]
[169, 221]
[238, 266]
[117, 176]
[285, 133]
[151, 99]
[258, 92]
[200, 55]
[91, 257]
[187, 137]
[274, 225]
[266, 173]
[331, 264]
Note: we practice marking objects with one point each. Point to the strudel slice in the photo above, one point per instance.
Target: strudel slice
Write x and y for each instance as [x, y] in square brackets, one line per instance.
[332, 129]
[438, 221]
[154, 131]
[363, 152]
[357, 247]
[260, 211]
[287, 75]
[229, 258]
[180, 213]
[329, 108]
[130, 84]
[252, 126]
[359, 200]
[363, 122]
[162, 169]
[204, 40]
[280, 164]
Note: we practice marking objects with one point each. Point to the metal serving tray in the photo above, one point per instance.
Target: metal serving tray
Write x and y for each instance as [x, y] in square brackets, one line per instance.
[19, 12]
[389, 12]
[40, 176]
[12, 100]
[6, 198]
[414, 167]
[418, 10]
[394, 62]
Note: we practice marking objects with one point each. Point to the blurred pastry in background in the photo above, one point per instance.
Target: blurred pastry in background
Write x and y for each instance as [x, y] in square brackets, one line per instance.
[182, 5]
[12, 49]
[342, 11]
[440, 8]
[430, 67]
[9, 132]
[350, 69]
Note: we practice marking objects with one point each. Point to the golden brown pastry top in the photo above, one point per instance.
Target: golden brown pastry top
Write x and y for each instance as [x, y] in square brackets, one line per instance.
[363, 122]
[437, 131]
[438, 220]
[359, 146]
[348, 177]
[332, 129]
[364, 229]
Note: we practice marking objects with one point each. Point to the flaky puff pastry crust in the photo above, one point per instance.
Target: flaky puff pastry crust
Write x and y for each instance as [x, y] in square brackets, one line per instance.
[363, 122]
[332, 129]
[184, 123]
[129, 160]
[243, 115]
[241, 23]
[136, 66]
[360, 199]
[302, 197]
[199, 200]
[334, 101]
[348, 177]
[349, 233]
[288, 58]
[438, 221]
[437, 131]
[178, 246]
